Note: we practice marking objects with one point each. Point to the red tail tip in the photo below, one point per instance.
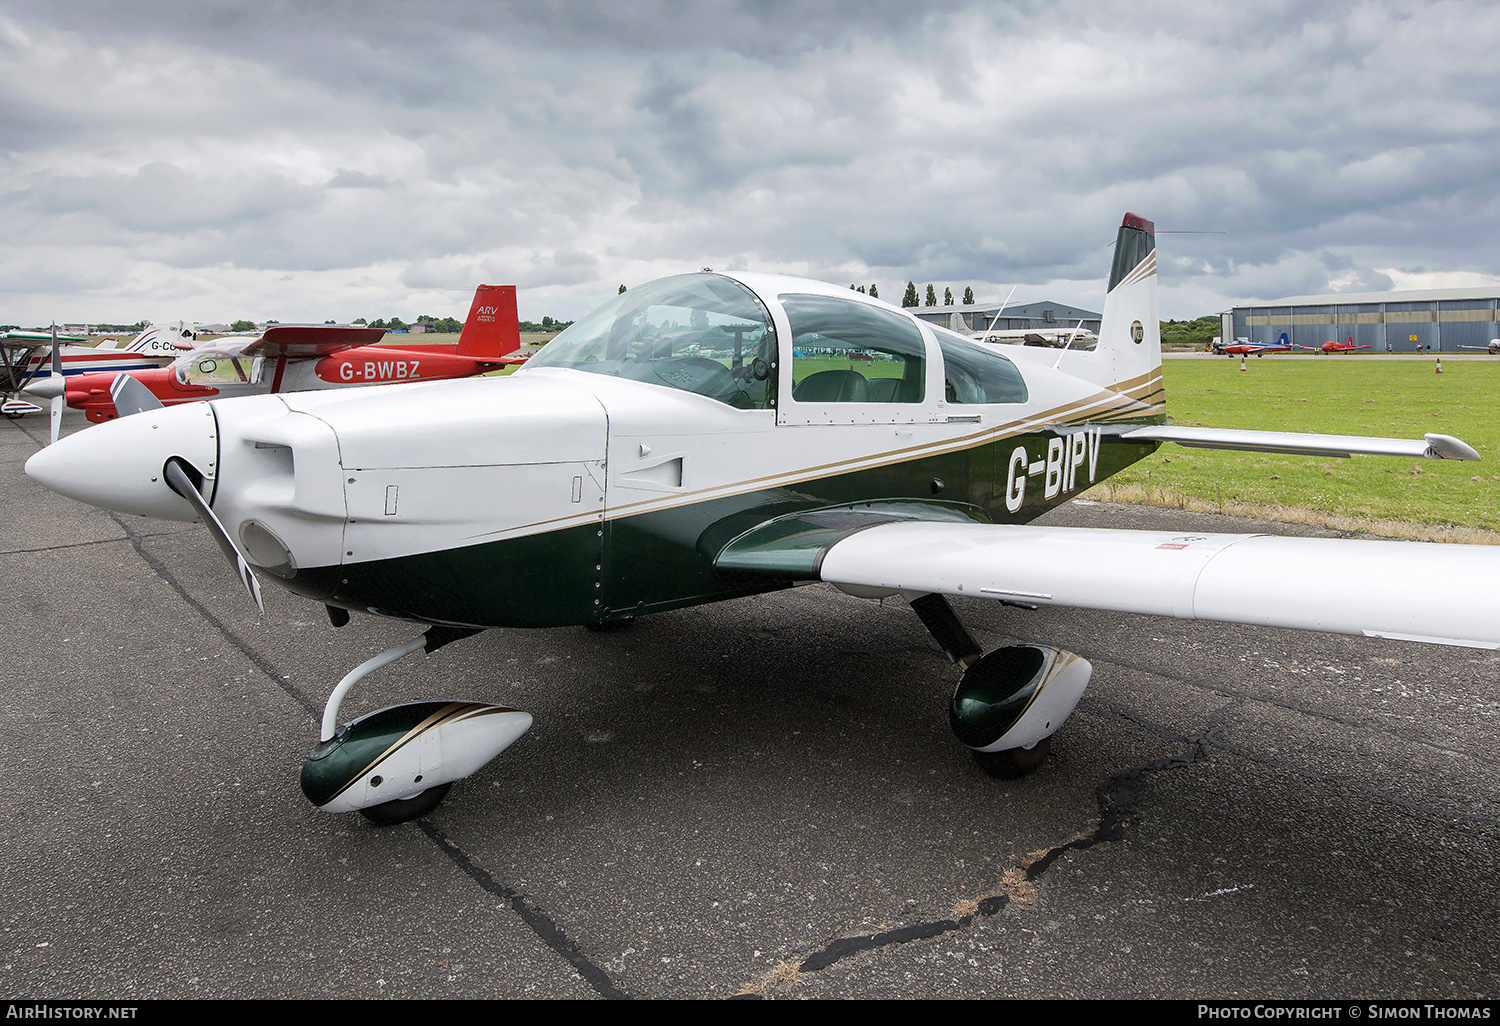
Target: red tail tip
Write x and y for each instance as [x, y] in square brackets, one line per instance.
[1139, 223]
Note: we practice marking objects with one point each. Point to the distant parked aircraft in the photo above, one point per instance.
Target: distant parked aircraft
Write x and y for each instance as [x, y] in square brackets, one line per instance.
[1244, 347]
[1332, 346]
[300, 358]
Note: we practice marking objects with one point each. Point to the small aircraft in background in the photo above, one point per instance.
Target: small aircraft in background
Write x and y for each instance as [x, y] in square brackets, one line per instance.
[1493, 348]
[299, 358]
[1244, 347]
[25, 359]
[621, 473]
[1332, 346]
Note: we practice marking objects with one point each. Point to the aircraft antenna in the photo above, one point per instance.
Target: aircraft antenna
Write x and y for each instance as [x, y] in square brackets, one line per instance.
[1000, 311]
[1071, 335]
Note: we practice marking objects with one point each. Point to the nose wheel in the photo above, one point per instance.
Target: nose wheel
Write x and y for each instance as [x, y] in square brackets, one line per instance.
[404, 810]
[397, 764]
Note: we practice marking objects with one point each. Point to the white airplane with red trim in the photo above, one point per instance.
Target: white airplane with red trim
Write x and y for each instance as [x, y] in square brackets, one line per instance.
[710, 436]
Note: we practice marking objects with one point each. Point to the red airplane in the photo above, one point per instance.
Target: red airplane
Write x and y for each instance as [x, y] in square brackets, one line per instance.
[303, 357]
[1335, 347]
[1244, 347]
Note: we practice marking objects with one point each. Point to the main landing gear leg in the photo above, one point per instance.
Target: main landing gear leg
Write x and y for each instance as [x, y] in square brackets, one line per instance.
[397, 763]
[1008, 703]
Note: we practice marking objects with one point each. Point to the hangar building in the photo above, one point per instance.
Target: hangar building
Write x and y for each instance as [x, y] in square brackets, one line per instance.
[1043, 316]
[1437, 320]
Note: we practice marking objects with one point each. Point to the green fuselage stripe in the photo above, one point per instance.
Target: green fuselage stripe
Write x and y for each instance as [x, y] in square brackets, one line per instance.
[664, 558]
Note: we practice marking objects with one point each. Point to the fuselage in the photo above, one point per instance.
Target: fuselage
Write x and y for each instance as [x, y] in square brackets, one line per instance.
[1251, 349]
[605, 484]
[207, 374]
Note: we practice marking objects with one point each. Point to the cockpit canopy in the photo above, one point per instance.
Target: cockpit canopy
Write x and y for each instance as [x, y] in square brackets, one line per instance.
[701, 333]
[217, 364]
[709, 334]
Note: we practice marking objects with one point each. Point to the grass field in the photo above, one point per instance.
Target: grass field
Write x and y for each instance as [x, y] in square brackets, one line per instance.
[1392, 398]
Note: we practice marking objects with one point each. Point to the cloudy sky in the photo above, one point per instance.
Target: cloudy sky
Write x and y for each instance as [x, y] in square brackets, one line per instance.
[218, 160]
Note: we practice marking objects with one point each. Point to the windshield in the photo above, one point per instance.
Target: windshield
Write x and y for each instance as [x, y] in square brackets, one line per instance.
[701, 333]
[218, 365]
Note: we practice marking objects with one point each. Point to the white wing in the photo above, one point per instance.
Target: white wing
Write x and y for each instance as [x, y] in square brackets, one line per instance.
[1434, 447]
[1445, 594]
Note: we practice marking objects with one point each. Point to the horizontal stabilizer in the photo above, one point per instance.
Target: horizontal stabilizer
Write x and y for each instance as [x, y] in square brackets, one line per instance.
[1442, 594]
[302, 341]
[1433, 447]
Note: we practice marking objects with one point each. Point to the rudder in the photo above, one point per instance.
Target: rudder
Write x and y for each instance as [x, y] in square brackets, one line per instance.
[1130, 327]
[493, 327]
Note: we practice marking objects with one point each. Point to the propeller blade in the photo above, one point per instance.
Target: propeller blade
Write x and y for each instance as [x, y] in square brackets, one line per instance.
[60, 398]
[179, 480]
[130, 396]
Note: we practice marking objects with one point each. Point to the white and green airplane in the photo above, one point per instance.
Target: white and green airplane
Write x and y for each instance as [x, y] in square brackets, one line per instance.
[710, 436]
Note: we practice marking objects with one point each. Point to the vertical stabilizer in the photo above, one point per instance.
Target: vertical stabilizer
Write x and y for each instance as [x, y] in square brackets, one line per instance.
[1130, 329]
[493, 328]
[163, 338]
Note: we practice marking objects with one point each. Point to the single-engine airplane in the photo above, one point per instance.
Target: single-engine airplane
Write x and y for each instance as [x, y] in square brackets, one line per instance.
[620, 473]
[25, 358]
[1493, 348]
[1244, 347]
[1334, 346]
[296, 358]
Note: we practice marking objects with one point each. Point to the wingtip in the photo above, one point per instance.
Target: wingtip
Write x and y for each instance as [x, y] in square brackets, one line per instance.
[1446, 447]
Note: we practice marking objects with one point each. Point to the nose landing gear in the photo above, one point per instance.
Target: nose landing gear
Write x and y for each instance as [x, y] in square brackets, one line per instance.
[397, 763]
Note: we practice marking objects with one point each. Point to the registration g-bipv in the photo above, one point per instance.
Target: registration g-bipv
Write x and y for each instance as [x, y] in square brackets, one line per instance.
[710, 436]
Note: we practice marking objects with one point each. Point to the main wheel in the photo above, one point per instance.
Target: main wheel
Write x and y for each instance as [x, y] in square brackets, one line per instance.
[1013, 763]
[403, 810]
[13, 416]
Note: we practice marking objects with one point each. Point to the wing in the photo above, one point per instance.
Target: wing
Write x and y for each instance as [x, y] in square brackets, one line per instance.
[1444, 594]
[1433, 447]
[302, 341]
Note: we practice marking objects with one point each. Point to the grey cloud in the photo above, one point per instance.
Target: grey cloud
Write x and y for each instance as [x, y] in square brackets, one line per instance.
[561, 143]
[161, 197]
[343, 178]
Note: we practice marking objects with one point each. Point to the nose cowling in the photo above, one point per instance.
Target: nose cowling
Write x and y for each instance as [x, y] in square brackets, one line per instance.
[118, 465]
[45, 388]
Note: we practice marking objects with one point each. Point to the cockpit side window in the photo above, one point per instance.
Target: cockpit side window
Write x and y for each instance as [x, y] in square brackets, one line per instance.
[218, 365]
[972, 374]
[701, 333]
[844, 351]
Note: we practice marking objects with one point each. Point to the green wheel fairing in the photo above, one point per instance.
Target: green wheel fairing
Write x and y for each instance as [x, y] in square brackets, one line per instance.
[994, 692]
[664, 559]
[334, 765]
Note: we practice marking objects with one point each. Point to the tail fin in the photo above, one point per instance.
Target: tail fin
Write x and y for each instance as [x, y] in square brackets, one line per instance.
[493, 328]
[1130, 329]
[163, 338]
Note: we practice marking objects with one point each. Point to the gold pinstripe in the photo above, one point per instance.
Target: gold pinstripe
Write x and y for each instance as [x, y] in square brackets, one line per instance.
[1107, 405]
[453, 712]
